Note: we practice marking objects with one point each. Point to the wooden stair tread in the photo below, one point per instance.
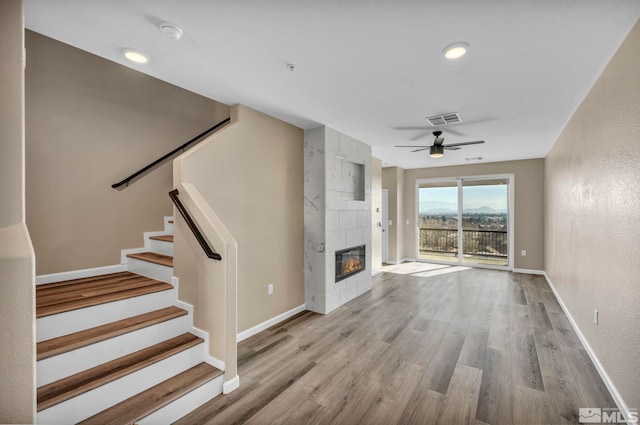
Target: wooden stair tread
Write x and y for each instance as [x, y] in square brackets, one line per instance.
[90, 289]
[164, 238]
[156, 397]
[153, 257]
[99, 280]
[79, 383]
[60, 297]
[63, 344]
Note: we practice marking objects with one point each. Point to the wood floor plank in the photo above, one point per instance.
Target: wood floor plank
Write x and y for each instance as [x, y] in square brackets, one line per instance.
[438, 374]
[474, 347]
[520, 319]
[564, 401]
[564, 331]
[550, 355]
[427, 343]
[524, 361]
[591, 389]
[539, 317]
[368, 362]
[208, 412]
[242, 408]
[461, 400]
[530, 406]
[423, 408]
[495, 404]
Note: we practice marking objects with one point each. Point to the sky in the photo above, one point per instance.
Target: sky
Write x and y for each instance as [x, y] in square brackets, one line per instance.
[494, 196]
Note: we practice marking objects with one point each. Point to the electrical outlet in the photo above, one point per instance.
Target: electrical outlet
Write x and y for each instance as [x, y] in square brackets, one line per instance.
[406, 222]
[270, 289]
[595, 316]
[523, 252]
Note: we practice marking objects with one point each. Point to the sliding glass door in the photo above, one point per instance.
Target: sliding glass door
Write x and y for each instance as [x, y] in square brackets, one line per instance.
[469, 212]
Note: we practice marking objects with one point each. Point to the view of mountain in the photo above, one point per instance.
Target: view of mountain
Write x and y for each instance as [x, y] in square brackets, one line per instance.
[436, 207]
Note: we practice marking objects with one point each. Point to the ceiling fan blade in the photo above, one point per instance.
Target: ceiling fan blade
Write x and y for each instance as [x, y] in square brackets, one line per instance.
[452, 131]
[412, 146]
[477, 142]
[451, 148]
[421, 149]
[420, 136]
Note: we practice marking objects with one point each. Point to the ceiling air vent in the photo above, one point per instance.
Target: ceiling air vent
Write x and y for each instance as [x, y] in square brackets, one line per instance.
[444, 119]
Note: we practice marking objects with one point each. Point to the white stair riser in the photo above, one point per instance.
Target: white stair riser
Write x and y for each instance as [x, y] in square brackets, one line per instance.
[66, 364]
[185, 404]
[154, 271]
[88, 404]
[77, 320]
[168, 227]
[161, 247]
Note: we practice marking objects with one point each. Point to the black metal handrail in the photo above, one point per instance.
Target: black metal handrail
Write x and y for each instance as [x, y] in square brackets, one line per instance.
[169, 155]
[486, 243]
[194, 229]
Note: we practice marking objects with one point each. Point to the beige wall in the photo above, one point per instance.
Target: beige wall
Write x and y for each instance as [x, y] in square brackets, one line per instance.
[252, 175]
[376, 214]
[393, 179]
[17, 268]
[528, 204]
[91, 123]
[592, 217]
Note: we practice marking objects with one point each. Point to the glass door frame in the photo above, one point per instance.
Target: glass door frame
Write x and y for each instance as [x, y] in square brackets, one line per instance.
[460, 257]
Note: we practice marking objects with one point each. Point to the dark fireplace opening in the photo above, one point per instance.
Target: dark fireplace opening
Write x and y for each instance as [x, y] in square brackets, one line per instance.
[349, 262]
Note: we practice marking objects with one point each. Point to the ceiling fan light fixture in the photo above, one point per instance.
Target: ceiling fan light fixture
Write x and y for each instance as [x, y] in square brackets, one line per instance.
[455, 50]
[436, 151]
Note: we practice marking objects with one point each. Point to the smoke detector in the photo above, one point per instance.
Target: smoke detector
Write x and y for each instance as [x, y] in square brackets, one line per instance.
[171, 31]
[450, 118]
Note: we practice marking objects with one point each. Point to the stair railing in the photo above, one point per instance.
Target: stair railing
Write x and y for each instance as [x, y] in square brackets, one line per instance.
[158, 161]
[210, 253]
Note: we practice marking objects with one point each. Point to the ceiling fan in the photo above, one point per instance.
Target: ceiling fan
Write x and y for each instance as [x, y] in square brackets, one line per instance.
[437, 149]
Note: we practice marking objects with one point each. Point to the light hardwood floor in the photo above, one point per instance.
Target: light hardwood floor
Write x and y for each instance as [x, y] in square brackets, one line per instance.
[447, 346]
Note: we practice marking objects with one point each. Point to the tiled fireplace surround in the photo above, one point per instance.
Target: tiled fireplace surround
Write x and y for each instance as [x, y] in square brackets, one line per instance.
[337, 208]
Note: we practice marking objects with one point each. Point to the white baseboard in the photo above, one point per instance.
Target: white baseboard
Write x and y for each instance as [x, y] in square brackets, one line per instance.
[231, 385]
[79, 274]
[395, 263]
[199, 332]
[268, 323]
[529, 271]
[376, 272]
[624, 408]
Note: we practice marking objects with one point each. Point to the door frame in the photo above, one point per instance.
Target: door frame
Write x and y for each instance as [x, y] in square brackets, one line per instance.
[385, 225]
[510, 215]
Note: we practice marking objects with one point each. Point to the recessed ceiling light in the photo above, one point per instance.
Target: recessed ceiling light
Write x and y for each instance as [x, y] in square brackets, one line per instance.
[135, 56]
[455, 50]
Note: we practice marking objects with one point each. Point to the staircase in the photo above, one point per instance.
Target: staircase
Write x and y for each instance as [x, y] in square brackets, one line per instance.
[118, 348]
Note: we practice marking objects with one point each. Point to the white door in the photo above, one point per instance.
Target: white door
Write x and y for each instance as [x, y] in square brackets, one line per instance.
[385, 225]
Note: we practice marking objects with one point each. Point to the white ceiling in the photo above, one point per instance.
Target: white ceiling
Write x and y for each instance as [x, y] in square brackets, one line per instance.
[367, 68]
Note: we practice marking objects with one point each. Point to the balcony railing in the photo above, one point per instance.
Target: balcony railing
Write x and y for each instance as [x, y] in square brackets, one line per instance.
[484, 243]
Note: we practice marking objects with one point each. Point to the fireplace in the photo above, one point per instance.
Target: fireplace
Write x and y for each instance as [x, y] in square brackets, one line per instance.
[349, 261]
